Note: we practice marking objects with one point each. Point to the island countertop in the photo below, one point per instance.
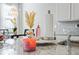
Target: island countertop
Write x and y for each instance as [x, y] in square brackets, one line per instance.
[53, 49]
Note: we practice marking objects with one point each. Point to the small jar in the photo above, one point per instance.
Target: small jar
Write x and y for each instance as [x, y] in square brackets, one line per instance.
[29, 43]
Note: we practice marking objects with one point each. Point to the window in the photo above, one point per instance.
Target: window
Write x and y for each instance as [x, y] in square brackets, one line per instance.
[8, 13]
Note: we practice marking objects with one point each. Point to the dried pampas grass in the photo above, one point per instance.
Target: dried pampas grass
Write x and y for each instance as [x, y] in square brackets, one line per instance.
[30, 18]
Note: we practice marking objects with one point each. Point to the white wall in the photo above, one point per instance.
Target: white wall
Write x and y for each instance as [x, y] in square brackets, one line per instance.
[41, 12]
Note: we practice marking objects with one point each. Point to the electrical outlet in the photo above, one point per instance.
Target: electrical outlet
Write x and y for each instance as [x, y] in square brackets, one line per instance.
[77, 25]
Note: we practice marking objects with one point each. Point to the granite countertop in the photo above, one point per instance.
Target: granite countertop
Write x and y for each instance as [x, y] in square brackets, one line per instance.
[17, 49]
[53, 49]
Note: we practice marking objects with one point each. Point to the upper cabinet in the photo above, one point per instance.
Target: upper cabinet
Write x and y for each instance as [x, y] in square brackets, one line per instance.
[67, 11]
[75, 11]
[63, 11]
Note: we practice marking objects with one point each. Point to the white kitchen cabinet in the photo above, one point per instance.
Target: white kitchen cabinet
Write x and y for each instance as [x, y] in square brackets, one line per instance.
[63, 11]
[75, 11]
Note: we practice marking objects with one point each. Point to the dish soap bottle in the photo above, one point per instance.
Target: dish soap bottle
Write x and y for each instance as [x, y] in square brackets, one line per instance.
[38, 31]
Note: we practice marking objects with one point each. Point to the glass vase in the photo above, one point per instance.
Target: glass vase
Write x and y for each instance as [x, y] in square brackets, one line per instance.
[29, 43]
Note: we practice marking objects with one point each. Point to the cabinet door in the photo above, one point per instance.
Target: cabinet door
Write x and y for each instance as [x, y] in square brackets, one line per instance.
[63, 11]
[75, 11]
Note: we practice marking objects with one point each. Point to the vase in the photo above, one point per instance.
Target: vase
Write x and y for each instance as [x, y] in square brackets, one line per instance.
[29, 43]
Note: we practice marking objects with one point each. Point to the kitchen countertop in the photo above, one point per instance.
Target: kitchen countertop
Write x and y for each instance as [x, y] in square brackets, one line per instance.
[53, 49]
[17, 49]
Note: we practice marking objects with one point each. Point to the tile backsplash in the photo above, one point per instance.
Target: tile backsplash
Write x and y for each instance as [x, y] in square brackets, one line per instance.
[64, 28]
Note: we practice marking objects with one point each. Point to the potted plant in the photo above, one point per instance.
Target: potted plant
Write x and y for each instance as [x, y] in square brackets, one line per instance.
[30, 42]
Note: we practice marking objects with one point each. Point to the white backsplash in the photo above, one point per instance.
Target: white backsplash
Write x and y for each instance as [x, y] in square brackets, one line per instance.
[65, 28]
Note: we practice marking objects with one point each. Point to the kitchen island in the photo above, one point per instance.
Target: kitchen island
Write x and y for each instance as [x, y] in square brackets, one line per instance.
[51, 49]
